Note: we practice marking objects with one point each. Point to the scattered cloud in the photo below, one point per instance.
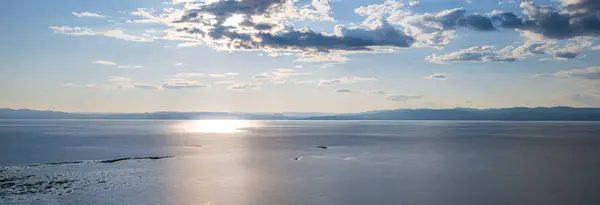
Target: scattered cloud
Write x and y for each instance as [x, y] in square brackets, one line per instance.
[119, 82]
[88, 14]
[556, 50]
[323, 58]
[347, 91]
[207, 75]
[103, 62]
[414, 2]
[130, 66]
[280, 76]
[473, 54]
[263, 25]
[73, 31]
[438, 76]
[119, 79]
[243, 86]
[374, 92]
[179, 83]
[110, 63]
[590, 73]
[69, 85]
[347, 79]
[83, 31]
[120, 35]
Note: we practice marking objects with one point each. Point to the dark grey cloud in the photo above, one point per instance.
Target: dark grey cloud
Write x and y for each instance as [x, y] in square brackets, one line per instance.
[353, 39]
[576, 18]
[565, 55]
[454, 18]
[210, 20]
[225, 9]
[478, 22]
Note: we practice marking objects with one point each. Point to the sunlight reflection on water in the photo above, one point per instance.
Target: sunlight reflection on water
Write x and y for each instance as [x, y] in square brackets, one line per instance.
[215, 126]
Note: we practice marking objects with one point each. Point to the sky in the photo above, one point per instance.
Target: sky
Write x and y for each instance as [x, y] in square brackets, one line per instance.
[298, 55]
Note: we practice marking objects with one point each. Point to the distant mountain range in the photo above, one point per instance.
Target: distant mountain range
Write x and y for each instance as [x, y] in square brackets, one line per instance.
[507, 114]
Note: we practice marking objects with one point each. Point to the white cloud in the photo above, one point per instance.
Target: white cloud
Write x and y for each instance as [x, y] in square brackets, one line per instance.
[110, 63]
[280, 76]
[473, 54]
[347, 79]
[323, 58]
[69, 85]
[178, 83]
[414, 2]
[103, 62]
[130, 66]
[178, 64]
[428, 30]
[590, 73]
[83, 31]
[188, 44]
[556, 50]
[207, 75]
[242, 86]
[88, 14]
[119, 79]
[438, 76]
[286, 70]
[73, 31]
[120, 35]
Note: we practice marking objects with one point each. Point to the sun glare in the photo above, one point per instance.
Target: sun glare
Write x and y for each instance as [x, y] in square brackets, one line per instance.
[215, 126]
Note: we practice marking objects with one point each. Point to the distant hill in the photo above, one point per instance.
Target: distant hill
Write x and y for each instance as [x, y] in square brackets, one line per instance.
[35, 114]
[515, 113]
[507, 114]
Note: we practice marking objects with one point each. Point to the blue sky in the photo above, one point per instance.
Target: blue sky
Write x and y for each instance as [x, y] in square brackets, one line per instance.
[283, 55]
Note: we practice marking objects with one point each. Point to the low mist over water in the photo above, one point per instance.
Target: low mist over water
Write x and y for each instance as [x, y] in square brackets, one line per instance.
[298, 162]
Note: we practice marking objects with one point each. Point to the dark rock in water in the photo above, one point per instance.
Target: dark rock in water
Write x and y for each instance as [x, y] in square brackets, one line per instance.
[322, 147]
[297, 158]
[132, 158]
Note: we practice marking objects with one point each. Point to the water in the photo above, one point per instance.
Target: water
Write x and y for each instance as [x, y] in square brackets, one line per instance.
[278, 162]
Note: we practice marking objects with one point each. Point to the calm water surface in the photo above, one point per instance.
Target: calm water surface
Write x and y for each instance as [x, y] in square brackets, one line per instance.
[278, 162]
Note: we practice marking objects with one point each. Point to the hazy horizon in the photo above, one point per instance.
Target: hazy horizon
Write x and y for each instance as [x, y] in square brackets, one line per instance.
[322, 112]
